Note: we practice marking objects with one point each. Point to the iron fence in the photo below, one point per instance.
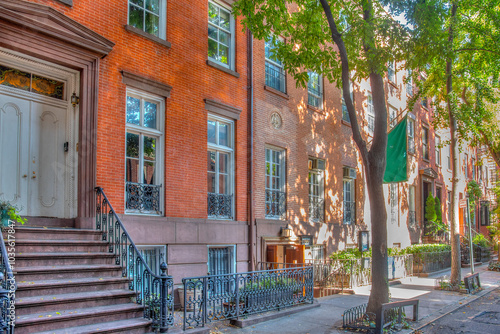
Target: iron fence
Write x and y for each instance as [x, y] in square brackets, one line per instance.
[275, 203]
[221, 297]
[341, 274]
[220, 205]
[154, 292]
[143, 197]
[8, 289]
[431, 261]
[400, 266]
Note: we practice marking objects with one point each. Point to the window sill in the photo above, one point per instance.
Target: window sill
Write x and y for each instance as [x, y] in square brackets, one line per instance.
[222, 68]
[277, 92]
[137, 213]
[148, 36]
[316, 109]
[346, 123]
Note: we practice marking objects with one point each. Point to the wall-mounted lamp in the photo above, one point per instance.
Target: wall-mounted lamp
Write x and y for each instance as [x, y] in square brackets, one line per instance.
[286, 231]
[75, 100]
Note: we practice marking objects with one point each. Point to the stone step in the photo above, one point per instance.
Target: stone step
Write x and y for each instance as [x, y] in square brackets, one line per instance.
[63, 259]
[78, 300]
[46, 246]
[38, 233]
[130, 326]
[49, 222]
[33, 274]
[60, 286]
[48, 321]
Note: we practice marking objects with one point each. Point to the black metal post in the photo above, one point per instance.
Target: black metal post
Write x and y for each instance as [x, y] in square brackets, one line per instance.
[163, 298]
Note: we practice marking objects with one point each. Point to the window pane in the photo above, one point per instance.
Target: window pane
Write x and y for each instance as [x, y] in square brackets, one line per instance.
[149, 172]
[153, 5]
[211, 161]
[223, 162]
[223, 134]
[14, 78]
[150, 111]
[211, 132]
[133, 110]
[132, 145]
[132, 173]
[152, 24]
[212, 49]
[223, 37]
[212, 31]
[149, 148]
[211, 182]
[224, 19]
[223, 54]
[213, 12]
[138, 2]
[136, 17]
[223, 184]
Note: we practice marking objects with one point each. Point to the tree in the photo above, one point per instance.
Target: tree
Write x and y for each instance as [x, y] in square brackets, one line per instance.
[334, 38]
[455, 43]
[430, 209]
[439, 212]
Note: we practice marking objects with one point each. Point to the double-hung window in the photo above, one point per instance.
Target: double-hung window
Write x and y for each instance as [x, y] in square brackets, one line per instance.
[473, 165]
[438, 150]
[425, 143]
[349, 196]
[220, 162]
[315, 90]
[275, 71]
[409, 84]
[370, 113]
[394, 203]
[466, 166]
[391, 71]
[149, 16]
[411, 206]
[275, 183]
[411, 136]
[393, 117]
[144, 141]
[316, 190]
[220, 35]
[345, 113]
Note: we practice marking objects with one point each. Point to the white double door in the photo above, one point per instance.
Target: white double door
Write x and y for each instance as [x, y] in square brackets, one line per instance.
[34, 162]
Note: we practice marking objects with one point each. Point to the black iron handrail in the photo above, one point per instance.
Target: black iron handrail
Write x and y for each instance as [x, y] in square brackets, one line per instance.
[8, 289]
[154, 292]
[229, 296]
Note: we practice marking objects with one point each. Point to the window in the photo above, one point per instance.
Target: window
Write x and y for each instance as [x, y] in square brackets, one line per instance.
[349, 195]
[221, 260]
[393, 117]
[473, 165]
[449, 156]
[315, 252]
[220, 35]
[411, 206]
[411, 136]
[144, 141]
[220, 168]
[466, 165]
[438, 150]
[394, 203]
[370, 115]
[275, 183]
[484, 214]
[409, 84]
[345, 113]
[315, 90]
[316, 190]
[275, 72]
[149, 16]
[449, 205]
[425, 143]
[154, 256]
[391, 71]
[423, 101]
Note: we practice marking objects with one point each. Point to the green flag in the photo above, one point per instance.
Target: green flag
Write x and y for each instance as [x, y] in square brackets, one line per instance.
[395, 170]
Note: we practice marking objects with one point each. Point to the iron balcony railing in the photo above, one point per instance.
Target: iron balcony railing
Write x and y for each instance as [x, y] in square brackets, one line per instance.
[275, 204]
[275, 77]
[142, 197]
[154, 292]
[316, 209]
[8, 285]
[349, 212]
[220, 297]
[220, 206]
[431, 261]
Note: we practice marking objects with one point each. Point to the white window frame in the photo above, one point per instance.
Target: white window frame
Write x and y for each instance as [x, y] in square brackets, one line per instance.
[162, 24]
[320, 187]
[466, 166]
[393, 117]
[409, 84]
[274, 64]
[370, 113]
[231, 32]
[233, 254]
[411, 136]
[282, 177]
[311, 95]
[425, 143]
[437, 144]
[159, 260]
[350, 182]
[145, 131]
[391, 66]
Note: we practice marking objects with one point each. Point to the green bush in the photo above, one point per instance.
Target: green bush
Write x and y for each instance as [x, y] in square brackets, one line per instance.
[480, 240]
[427, 248]
[430, 209]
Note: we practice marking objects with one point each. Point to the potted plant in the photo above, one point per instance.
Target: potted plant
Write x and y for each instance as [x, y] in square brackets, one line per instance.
[10, 212]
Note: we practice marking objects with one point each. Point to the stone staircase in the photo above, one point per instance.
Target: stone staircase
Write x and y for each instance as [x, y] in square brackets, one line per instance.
[68, 283]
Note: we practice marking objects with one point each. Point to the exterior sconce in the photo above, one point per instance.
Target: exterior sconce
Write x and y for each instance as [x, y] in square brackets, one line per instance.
[286, 232]
[75, 100]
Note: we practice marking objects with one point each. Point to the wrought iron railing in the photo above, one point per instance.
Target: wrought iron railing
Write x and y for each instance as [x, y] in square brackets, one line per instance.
[7, 286]
[431, 261]
[316, 209]
[400, 266]
[341, 274]
[349, 212]
[220, 297]
[153, 291]
[275, 204]
[143, 197]
[275, 77]
[465, 251]
[280, 265]
[357, 318]
[220, 205]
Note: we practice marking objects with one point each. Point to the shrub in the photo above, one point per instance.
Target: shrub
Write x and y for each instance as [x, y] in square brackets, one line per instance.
[480, 240]
[427, 248]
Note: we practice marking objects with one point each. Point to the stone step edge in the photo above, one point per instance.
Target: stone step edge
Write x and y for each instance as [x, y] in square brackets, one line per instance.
[24, 285]
[90, 267]
[72, 297]
[112, 327]
[63, 255]
[56, 230]
[53, 242]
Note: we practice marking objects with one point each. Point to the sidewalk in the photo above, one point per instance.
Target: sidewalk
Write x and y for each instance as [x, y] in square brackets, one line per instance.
[328, 317]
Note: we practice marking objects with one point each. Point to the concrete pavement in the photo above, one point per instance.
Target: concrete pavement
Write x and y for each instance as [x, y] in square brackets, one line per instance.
[328, 317]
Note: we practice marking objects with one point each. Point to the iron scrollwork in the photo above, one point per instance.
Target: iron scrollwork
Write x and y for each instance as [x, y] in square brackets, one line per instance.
[275, 204]
[220, 205]
[143, 197]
